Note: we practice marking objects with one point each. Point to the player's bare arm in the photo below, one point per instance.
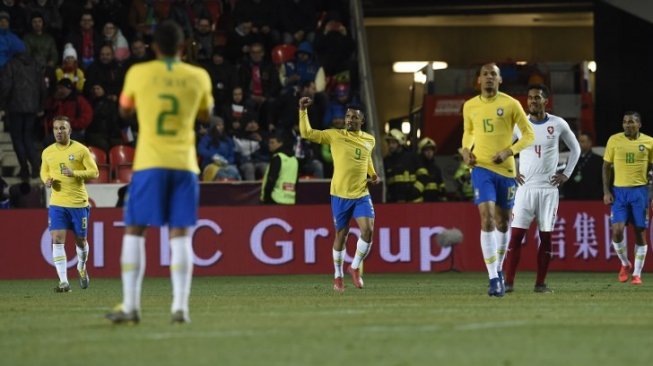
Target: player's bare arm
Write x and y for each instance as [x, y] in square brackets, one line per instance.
[607, 179]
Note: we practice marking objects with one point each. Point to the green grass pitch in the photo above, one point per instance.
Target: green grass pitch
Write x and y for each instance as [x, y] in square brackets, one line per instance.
[398, 319]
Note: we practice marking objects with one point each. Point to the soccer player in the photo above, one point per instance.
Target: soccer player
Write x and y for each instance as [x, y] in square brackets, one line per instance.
[352, 164]
[167, 95]
[538, 197]
[65, 165]
[628, 158]
[489, 121]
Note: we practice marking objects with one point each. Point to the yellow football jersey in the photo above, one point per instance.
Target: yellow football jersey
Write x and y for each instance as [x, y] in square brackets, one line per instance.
[488, 128]
[167, 95]
[352, 157]
[631, 158]
[68, 191]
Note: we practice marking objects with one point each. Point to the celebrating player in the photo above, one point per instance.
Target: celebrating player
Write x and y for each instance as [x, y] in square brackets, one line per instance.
[352, 164]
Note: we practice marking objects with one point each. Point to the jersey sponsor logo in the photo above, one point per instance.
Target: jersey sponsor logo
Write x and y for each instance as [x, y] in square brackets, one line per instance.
[499, 112]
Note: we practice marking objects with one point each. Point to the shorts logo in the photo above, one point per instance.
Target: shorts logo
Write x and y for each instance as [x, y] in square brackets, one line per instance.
[71, 157]
[641, 147]
[550, 130]
[499, 112]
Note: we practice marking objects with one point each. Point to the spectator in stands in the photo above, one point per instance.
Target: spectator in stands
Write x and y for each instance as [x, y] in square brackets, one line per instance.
[223, 77]
[143, 17]
[49, 13]
[239, 40]
[107, 72]
[204, 41]
[252, 151]
[429, 180]
[139, 53]
[113, 11]
[334, 47]
[113, 36]
[583, 183]
[337, 105]
[40, 44]
[279, 184]
[284, 112]
[400, 168]
[105, 129]
[238, 110]
[22, 93]
[463, 180]
[10, 44]
[308, 155]
[260, 80]
[70, 69]
[303, 68]
[67, 102]
[298, 20]
[217, 153]
[180, 12]
[17, 14]
[264, 17]
[86, 40]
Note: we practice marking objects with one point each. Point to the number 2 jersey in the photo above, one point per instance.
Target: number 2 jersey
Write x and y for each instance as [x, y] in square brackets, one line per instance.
[488, 127]
[631, 158]
[167, 95]
[538, 162]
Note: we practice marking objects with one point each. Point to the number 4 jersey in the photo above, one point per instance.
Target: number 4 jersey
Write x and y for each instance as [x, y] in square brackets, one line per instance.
[167, 95]
[538, 162]
[630, 158]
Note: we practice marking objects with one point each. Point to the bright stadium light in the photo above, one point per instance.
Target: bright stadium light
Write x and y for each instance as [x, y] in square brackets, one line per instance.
[405, 127]
[408, 66]
[439, 65]
[591, 66]
[419, 77]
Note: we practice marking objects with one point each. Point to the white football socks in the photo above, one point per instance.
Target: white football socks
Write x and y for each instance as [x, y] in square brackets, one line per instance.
[338, 260]
[489, 249]
[362, 249]
[640, 256]
[60, 262]
[502, 246]
[82, 256]
[132, 263]
[181, 272]
[622, 252]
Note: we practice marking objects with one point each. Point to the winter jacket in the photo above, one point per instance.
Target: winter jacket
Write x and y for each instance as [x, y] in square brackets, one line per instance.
[10, 45]
[22, 85]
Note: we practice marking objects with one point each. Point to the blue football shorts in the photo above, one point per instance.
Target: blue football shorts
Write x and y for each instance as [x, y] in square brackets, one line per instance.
[630, 206]
[490, 186]
[344, 209]
[69, 218]
[156, 197]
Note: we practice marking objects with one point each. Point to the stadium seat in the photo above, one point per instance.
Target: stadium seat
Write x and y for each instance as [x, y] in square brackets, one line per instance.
[100, 158]
[124, 175]
[283, 53]
[120, 155]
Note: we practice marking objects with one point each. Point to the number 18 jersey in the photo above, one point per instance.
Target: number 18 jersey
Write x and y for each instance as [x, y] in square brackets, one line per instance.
[167, 95]
[538, 162]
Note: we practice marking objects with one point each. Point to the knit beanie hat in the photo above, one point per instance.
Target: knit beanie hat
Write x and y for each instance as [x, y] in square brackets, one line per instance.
[69, 51]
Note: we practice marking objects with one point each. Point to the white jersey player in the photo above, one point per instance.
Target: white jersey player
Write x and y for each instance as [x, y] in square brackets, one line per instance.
[537, 197]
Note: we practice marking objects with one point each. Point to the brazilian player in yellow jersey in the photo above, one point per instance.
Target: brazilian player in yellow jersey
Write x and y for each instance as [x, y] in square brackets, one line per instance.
[352, 164]
[66, 165]
[167, 96]
[489, 122]
[628, 159]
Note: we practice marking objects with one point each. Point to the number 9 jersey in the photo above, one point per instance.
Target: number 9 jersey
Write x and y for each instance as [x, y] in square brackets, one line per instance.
[167, 95]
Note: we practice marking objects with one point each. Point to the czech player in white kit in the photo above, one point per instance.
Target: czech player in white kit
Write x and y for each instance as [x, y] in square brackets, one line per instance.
[537, 197]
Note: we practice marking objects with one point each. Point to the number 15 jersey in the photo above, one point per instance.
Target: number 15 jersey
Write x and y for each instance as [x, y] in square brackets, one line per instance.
[167, 95]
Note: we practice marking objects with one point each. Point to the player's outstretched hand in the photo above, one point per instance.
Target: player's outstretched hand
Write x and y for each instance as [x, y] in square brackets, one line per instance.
[305, 102]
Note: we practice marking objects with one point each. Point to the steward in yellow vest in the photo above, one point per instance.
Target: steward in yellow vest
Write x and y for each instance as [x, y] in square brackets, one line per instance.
[281, 175]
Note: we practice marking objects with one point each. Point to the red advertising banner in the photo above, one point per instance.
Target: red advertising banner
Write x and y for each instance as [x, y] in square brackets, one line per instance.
[298, 240]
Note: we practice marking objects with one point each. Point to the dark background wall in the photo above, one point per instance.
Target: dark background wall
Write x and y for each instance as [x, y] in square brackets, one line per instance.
[623, 45]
